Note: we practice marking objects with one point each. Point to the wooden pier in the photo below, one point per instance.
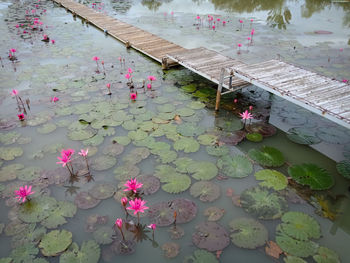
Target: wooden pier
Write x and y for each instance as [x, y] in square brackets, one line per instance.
[319, 94]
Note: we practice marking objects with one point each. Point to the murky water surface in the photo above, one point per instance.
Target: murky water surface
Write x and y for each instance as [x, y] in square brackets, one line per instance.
[285, 172]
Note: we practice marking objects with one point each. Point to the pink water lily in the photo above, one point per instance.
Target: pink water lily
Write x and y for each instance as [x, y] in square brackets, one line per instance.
[130, 70]
[83, 152]
[128, 76]
[149, 86]
[95, 58]
[53, 41]
[132, 185]
[64, 160]
[152, 78]
[108, 85]
[54, 99]
[23, 193]
[119, 223]
[68, 152]
[13, 50]
[21, 117]
[246, 115]
[124, 201]
[133, 96]
[138, 205]
[152, 226]
[14, 92]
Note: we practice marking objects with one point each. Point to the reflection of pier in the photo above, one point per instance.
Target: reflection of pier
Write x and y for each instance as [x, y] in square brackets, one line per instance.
[319, 94]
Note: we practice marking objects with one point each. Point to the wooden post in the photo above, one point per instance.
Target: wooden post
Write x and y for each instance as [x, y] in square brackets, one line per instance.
[218, 93]
[128, 44]
[165, 63]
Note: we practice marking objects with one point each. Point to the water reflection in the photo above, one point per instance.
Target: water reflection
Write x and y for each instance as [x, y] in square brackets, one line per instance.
[154, 5]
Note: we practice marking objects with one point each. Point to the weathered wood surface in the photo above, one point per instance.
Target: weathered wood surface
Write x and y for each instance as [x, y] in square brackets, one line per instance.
[325, 96]
[208, 64]
[143, 41]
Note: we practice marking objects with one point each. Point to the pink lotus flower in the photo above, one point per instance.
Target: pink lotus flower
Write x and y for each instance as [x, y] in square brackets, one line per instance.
[246, 115]
[108, 85]
[45, 37]
[54, 99]
[250, 108]
[251, 20]
[137, 205]
[23, 192]
[152, 226]
[224, 22]
[17, 26]
[128, 76]
[239, 45]
[240, 21]
[53, 41]
[198, 17]
[102, 62]
[133, 96]
[124, 201]
[345, 80]
[64, 160]
[130, 70]
[218, 19]
[119, 223]
[13, 50]
[83, 152]
[213, 27]
[149, 86]
[132, 185]
[249, 38]
[21, 117]
[14, 92]
[152, 78]
[96, 58]
[68, 152]
[120, 59]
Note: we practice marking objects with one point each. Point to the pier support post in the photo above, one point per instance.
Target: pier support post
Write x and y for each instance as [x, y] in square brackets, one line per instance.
[165, 63]
[128, 44]
[218, 93]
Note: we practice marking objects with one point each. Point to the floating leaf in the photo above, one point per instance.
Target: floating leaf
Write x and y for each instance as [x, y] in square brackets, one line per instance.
[10, 153]
[188, 129]
[137, 135]
[206, 191]
[186, 210]
[29, 173]
[310, 174]
[189, 88]
[217, 150]
[103, 162]
[296, 247]
[207, 139]
[343, 168]
[273, 250]
[46, 128]
[167, 156]
[123, 140]
[292, 259]
[126, 172]
[248, 233]
[265, 129]
[136, 155]
[300, 226]
[268, 156]
[102, 191]
[37, 209]
[25, 253]
[176, 232]
[302, 135]
[57, 217]
[175, 184]
[201, 256]
[113, 149]
[182, 164]
[272, 179]
[55, 242]
[236, 166]
[254, 137]
[326, 255]
[148, 126]
[89, 253]
[185, 112]
[263, 204]
[130, 125]
[171, 249]
[232, 138]
[210, 236]
[9, 172]
[196, 105]
[214, 213]
[229, 124]
[166, 108]
[103, 235]
[162, 214]
[85, 201]
[81, 135]
[188, 145]
[150, 183]
[94, 141]
[202, 170]
[9, 138]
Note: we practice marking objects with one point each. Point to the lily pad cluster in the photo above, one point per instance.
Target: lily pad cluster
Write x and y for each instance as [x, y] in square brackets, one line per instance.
[268, 156]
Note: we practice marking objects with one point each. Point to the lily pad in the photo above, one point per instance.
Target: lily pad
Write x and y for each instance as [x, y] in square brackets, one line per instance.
[25, 253]
[166, 108]
[265, 129]
[254, 137]
[10, 153]
[236, 166]
[55, 242]
[29, 173]
[189, 88]
[248, 233]
[263, 204]
[80, 135]
[9, 172]
[300, 226]
[162, 213]
[296, 247]
[188, 145]
[326, 255]
[136, 155]
[310, 174]
[102, 191]
[268, 156]
[343, 168]
[103, 235]
[130, 125]
[182, 164]
[85, 201]
[228, 124]
[37, 209]
[232, 138]
[123, 140]
[217, 150]
[170, 249]
[206, 191]
[202, 170]
[89, 253]
[185, 112]
[272, 179]
[113, 149]
[103, 162]
[167, 156]
[188, 129]
[207, 139]
[126, 172]
[127, 247]
[176, 232]
[9, 138]
[151, 184]
[46, 128]
[302, 135]
[58, 216]
[185, 209]
[210, 236]
[201, 256]
[137, 135]
[292, 259]
[196, 105]
[94, 140]
[175, 184]
[214, 213]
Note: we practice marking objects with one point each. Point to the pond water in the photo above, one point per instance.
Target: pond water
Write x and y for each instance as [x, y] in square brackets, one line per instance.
[171, 137]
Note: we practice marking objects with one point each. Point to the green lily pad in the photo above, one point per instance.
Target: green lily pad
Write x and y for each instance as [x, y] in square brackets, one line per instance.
[89, 253]
[85, 201]
[303, 136]
[175, 184]
[265, 129]
[29, 173]
[126, 172]
[25, 253]
[57, 217]
[207, 139]
[103, 235]
[201, 256]
[248, 233]
[113, 149]
[296, 247]
[196, 105]
[182, 164]
[189, 88]
[9, 138]
[94, 140]
[300, 226]
[102, 191]
[326, 255]
[123, 140]
[37, 209]
[158, 147]
[185, 112]
[292, 259]
[130, 125]
[188, 129]
[202, 170]
[80, 135]
[254, 137]
[217, 150]
[10, 153]
[31, 234]
[167, 156]
[310, 174]
[137, 135]
[24, 140]
[9, 172]
[272, 179]
[205, 191]
[103, 162]
[160, 100]
[343, 168]
[229, 124]
[55, 242]
[46, 128]
[53, 148]
[236, 166]
[263, 204]
[214, 213]
[188, 145]
[148, 126]
[136, 155]
[210, 236]
[268, 156]
[166, 108]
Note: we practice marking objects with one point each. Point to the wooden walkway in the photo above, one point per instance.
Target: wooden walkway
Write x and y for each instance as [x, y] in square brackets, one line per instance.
[325, 96]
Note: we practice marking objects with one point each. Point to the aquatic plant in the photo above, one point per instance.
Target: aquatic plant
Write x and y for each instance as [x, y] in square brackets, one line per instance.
[53, 41]
[239, 48]
[108, 85]
[12, 56]
[133, 96]
[132, 185]
[246, 115]
[153, 227]
[21, 117]
[96, 59]
[45, 38]
[138, 205]
[23, 193]
[65, 160]
[119, 224]
[54, 99]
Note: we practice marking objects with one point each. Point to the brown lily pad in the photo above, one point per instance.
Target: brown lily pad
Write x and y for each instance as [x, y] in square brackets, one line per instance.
[232, 138]
[162, 214]
[85, 201]
[273, 250]
[205, 191]
[176, 232]
[186, 210]
[126, 247]
[265, 129]
[150, 183]
[214, 213]
[171, 249]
